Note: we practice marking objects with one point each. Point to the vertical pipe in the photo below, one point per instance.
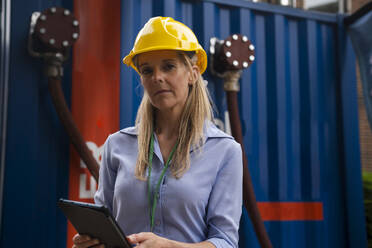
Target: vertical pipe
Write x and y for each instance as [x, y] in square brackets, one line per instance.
[249, 198]
[59, 102]
[350, 146]
[348, 6]
[341, 9]
[4, 80]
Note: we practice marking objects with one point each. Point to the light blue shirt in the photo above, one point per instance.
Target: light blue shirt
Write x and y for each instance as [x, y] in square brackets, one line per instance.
[203, 205]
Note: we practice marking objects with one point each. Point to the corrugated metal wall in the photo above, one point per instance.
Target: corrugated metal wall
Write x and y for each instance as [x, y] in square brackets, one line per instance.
[37, 148]
[297, 104]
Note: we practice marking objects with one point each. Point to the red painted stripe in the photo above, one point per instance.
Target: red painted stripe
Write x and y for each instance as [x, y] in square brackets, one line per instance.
[291, 211]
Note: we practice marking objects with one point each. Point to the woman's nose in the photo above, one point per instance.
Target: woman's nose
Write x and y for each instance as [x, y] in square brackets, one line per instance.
[158, 75]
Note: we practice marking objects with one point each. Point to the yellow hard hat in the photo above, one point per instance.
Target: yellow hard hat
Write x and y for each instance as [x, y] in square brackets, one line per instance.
[164, 33]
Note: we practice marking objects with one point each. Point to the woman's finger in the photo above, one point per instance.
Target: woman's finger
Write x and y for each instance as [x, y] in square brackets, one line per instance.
[99, 246]
[132, 239]
[86, 244]
[141, 237]
[89, 243]
[77, 239]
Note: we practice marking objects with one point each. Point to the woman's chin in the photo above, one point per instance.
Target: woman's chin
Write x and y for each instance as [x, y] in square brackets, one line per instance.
[164, 105]
[163, 108]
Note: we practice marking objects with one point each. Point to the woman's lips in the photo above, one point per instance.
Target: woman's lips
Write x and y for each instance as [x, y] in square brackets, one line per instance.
[161, 92]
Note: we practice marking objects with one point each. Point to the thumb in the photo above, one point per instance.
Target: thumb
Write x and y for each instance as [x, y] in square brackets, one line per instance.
[140, 237]
[132, 239]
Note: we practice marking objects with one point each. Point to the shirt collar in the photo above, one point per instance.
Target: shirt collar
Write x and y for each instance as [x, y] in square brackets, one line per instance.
[210, 131]
[130, 130]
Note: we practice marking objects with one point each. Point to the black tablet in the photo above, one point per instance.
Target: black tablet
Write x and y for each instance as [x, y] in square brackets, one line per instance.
[95, 221]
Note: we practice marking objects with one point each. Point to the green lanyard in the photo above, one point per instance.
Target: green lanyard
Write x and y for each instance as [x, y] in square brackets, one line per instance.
[155, 198]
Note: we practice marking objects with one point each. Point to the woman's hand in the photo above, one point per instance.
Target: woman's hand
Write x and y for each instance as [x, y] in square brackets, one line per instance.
[148, 239]
[84, 241]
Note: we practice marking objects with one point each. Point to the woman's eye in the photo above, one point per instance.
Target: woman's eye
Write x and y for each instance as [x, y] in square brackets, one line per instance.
[146, 71]
[168, 67]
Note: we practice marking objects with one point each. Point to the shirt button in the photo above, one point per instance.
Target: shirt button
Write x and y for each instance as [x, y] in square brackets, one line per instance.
[157, 222]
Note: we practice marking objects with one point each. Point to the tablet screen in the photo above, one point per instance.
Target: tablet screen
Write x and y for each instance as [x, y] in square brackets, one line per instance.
[95, 221]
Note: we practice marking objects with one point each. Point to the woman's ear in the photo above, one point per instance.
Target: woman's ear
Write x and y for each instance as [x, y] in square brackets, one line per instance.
[194, 74]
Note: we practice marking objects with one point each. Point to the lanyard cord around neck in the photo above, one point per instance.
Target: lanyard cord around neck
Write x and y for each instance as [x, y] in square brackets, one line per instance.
[156, 192]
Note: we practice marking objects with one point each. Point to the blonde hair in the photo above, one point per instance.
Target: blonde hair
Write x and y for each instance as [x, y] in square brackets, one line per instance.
[197, 109]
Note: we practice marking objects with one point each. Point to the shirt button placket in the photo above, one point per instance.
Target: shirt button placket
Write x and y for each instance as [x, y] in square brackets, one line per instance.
[158, 216]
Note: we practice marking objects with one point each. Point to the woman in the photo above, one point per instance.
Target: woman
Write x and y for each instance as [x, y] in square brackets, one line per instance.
[173, 180]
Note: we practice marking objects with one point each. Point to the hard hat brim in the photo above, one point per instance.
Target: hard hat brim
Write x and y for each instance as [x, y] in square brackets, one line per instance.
[201, 63]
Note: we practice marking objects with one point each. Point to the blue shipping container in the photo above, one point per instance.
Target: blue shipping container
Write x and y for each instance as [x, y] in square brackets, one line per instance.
[298, 110]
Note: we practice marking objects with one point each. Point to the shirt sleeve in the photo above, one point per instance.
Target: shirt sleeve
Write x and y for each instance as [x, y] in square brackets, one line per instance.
[225, 202]
[107, 178]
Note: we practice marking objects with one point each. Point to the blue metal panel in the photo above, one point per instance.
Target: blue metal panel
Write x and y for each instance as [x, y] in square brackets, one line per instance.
[297, 105]
[350, 131]
[37, 148]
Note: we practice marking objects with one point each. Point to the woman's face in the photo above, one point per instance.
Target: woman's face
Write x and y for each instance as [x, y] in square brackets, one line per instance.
[166, 78]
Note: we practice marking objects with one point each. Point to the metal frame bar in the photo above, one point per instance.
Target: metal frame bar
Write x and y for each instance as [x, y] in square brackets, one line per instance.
[350, 145]
[277, 9]
[4, 83]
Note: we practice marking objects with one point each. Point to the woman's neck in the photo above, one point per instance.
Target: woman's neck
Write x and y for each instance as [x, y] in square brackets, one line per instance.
[167, 123]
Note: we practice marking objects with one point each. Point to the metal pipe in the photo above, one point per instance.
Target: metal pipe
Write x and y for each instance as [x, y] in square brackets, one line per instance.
[55, 89]
[349, 6]
[341, 6]
[4, 77]
[232, 87]
[54, 54]
[226, 64]
[249, 198]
